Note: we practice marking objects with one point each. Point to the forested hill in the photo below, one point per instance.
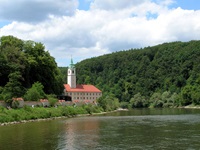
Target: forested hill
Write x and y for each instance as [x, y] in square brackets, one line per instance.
[172, 67]
[22, 63]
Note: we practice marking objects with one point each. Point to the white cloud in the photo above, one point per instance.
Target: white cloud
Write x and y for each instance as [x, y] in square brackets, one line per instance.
[34, 11]
[109, 27]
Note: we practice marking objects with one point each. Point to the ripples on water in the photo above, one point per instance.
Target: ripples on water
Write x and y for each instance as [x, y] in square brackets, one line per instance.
[138, 129]
[134, 132]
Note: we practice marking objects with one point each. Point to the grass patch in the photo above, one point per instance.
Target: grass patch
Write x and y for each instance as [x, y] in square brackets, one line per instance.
[29, 113]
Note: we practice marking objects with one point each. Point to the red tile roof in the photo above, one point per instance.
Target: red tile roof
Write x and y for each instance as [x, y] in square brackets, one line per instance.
[60, 101]
[18, 99]
[82, 88]
[43, 100]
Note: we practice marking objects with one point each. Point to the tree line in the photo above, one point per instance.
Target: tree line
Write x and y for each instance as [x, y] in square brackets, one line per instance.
[23, 64]
[160, 76]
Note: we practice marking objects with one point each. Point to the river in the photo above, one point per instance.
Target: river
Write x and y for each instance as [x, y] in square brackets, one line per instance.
[147, 129]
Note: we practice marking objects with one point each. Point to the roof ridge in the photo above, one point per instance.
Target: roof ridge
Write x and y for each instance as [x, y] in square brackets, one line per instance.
[82, 88]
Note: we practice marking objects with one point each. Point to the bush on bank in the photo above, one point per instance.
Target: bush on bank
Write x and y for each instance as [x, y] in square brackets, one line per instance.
[29, 113]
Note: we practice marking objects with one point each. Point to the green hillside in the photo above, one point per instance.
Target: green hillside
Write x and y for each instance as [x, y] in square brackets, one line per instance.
[23, 63]
[167, 70]
[160, 76]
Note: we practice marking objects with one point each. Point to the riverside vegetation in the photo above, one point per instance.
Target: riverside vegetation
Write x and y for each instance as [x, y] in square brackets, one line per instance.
[28, 71]
[28, 113]
[166, 75]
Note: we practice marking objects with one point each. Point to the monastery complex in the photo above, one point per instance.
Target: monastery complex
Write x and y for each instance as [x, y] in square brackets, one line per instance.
[82, 92]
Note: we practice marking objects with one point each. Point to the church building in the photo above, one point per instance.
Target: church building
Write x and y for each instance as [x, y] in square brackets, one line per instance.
[81, 92]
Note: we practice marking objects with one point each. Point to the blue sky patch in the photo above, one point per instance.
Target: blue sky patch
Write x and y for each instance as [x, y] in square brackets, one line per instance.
[84, 4]
[3, 23]
[187, 4]
[150, 15]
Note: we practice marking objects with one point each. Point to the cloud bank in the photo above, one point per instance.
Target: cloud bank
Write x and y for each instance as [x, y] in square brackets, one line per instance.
[34, 11]
[106, 27]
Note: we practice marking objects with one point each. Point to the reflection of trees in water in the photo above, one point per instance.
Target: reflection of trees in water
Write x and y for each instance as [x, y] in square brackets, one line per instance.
[80, 133]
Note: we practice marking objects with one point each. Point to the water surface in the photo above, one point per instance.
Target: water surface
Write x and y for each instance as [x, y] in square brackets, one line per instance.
[137, 129]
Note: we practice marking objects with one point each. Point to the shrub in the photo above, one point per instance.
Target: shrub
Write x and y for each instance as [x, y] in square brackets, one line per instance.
[124, 104]
[15, 104]
[52, 100]
[35, 92]
[138, 101]
[32, 95]
[2, 109]
[108, 102]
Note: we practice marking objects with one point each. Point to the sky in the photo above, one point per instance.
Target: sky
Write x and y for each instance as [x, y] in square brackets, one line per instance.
[83, 29]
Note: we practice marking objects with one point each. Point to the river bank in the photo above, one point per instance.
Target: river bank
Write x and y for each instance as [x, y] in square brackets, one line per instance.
[51, 112]
[73, 112]
[29, 114]
[191, 106]
[44, 119]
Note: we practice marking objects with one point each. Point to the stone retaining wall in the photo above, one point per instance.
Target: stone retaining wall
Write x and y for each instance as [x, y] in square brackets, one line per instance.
[19, 103]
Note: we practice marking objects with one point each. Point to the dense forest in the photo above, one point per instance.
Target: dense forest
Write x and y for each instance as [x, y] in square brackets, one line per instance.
[26, 64]
[165, 75]
[162, 75]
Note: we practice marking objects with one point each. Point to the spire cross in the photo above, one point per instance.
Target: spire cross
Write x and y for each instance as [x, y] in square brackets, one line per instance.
[72, 64]
[71, 60]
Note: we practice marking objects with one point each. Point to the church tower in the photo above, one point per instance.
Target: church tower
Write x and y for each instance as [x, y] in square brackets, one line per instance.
[71, 76]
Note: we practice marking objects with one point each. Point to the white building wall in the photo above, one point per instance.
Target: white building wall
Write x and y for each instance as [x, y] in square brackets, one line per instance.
[81, 96]
[71, 77]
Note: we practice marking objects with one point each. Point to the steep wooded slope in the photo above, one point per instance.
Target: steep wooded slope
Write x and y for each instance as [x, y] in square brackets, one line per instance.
[173, 67]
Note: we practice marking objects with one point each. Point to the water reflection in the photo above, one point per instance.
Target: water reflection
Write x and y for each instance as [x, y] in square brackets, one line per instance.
[34, 135]
[138, 129]
[80, 133]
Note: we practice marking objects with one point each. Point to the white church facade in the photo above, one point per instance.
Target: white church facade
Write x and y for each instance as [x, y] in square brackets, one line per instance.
[81, 92]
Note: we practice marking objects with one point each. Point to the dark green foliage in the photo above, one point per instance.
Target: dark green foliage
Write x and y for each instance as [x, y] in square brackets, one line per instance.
[124, 105]
[138, 101]
[42, 67]
[108, 102]
[190, 95]
[156, 100]
[52, 100]
[63, 71]
[22, 63]
[172, 67]
[15, 104]
[90, 109]
[35, 92]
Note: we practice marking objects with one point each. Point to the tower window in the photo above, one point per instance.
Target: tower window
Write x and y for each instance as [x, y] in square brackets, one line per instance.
[72, 71]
